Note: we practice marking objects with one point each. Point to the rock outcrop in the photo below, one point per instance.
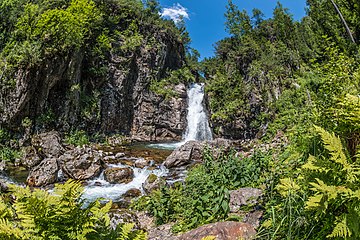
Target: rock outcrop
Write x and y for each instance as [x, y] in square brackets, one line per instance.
[60, 92]
[184, 155]
[152, 183]
[48, 144]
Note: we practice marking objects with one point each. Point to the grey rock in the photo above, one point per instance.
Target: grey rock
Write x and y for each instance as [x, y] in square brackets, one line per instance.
[43, 174]
[242, 197]
[119, 175]
[152, 183]
[120, 216]
[120, 155]
[3, 186]
[81, 163]
[184, 155]
[253, 218]
[48, 144]
[142, 163]
[132, 193]
[30, 158]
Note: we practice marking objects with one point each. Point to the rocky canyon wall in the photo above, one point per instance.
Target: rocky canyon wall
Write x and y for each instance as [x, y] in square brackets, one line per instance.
[61, 93]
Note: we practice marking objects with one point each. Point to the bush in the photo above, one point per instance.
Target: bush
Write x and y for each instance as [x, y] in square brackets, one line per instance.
[204, 197]
[58, 215]
[77, 138]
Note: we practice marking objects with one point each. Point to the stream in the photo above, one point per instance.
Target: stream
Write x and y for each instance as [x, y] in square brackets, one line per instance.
[197, 129]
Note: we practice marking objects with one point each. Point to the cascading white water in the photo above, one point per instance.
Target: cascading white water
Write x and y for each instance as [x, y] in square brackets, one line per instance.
[197, 122]
[198, 127]
[100, 188]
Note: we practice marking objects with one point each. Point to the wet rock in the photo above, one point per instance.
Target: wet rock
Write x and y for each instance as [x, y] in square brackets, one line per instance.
[132, 193]
[222, 231]
[48, 144]
[120, 216]
[119, 175]
[142, 163]
[2, 165]
[43, 174]
[187, 153]
[3, 186]
[191, 151]
[152, 183]
[120, 155]
[81, 163]
[243, 196]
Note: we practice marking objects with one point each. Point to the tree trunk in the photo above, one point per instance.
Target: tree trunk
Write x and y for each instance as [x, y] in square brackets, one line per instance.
[343, 20]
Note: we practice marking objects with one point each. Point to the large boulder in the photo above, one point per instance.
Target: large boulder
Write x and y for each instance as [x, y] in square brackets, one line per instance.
[119, 175]
[43, 174]
[48, 144]
[222, 231]
[192, 151]
[81, 163]
[184, 155]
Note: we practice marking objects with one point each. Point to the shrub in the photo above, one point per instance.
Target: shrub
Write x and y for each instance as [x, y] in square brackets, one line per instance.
[58, 215]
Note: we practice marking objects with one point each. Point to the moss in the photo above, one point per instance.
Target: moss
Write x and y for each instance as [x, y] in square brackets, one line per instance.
[152, 178]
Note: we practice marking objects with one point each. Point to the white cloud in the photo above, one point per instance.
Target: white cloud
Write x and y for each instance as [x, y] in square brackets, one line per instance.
[176, 12]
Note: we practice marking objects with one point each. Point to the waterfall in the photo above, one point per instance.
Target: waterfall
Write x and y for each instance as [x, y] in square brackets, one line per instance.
[197, 122]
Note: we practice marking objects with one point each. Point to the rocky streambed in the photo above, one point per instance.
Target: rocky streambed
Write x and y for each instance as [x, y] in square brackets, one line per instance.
[115, 172]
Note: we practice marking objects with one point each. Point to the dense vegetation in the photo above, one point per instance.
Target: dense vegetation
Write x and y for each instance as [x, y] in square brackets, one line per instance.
[274, 75]
[26, 214]
[271, 75]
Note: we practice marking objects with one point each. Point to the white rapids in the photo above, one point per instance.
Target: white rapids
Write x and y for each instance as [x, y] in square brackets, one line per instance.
[100, 188]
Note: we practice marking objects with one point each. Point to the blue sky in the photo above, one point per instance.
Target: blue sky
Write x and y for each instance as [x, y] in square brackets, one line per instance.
[205, 18]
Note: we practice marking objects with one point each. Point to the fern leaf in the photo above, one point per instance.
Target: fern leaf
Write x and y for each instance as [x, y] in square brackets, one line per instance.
[314, 201]
[287, 186]
[312, 166]
[334, 146]
[341, 229]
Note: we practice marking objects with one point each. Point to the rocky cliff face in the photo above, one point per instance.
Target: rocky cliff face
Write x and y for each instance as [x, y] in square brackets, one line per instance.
[61, 93]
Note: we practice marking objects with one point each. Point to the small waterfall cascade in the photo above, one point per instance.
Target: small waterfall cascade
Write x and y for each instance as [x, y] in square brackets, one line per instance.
[197, 120]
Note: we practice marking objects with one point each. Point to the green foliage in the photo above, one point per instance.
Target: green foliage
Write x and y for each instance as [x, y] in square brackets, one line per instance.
[7, 152]
[334, 181]
[204, 197]
[61, 214]
[165, 86]
[77, 138]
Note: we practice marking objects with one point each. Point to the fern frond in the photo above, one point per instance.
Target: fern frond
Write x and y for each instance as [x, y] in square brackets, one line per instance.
[287, 186]
[311, 165]
[334, 146]
[341, 229]
[125, 231]
[314, 201]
